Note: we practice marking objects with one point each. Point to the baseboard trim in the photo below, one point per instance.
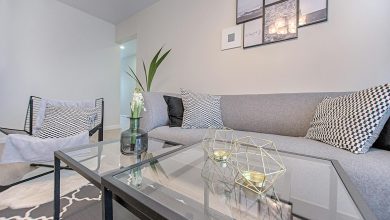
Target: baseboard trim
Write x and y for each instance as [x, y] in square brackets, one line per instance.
[112, 127]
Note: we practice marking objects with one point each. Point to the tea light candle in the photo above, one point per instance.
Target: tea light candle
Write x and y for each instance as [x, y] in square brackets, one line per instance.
[221, 155]
[254, 177]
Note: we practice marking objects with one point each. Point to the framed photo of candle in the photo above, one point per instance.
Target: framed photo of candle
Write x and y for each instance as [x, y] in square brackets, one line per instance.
[253, 33]
[312, 12]
[281, 21]
[247, 10]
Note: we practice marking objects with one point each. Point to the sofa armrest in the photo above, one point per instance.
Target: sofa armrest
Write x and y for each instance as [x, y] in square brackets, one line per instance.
[156, 113]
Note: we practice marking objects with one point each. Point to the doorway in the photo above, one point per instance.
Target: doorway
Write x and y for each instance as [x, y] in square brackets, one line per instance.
[128, 60]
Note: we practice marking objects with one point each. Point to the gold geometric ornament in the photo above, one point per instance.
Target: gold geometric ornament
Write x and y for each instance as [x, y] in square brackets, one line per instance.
[258, 164]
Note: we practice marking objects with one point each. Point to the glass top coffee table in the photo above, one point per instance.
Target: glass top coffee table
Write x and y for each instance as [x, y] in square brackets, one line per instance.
[188, 185]
[95, 160]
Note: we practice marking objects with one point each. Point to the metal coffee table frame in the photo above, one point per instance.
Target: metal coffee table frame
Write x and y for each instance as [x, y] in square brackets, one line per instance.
[88, 174]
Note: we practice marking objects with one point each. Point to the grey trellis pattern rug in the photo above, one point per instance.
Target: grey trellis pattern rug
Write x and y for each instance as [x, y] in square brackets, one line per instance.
[83, 203]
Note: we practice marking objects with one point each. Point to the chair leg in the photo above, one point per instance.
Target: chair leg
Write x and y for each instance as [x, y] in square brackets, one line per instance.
[100, 135]
[3, 188]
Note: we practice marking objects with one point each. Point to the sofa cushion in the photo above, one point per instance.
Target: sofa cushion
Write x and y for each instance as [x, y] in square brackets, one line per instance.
[178, 135]
[156, 113]
[282, 114]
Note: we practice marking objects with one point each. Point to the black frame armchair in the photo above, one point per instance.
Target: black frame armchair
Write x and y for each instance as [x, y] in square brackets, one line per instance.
[32, 113]
[30, 121]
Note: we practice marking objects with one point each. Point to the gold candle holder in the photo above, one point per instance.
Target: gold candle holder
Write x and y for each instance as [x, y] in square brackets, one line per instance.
[221, 155]
[258, 164]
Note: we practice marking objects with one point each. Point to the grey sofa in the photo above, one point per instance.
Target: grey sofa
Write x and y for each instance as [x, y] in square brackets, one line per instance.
[285, 119]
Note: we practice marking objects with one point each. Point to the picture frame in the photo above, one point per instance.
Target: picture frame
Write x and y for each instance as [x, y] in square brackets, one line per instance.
[231, 37]
[247, 10]
[253, 33]
[280, 21]
[312, 12]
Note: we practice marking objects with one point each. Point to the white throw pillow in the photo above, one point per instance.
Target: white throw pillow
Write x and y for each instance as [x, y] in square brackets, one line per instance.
[352, 122]
[201, 110]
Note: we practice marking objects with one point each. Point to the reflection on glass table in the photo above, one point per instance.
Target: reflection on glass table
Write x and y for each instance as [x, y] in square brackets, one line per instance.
[188, 185]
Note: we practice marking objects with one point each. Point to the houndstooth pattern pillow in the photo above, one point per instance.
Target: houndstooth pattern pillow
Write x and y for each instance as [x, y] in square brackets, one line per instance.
[62, 121]
[201, 110]
[352, 122]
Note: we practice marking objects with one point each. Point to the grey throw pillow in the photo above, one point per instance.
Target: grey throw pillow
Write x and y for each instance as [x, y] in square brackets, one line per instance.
[201, 110]
[61, 121]
[352, 122]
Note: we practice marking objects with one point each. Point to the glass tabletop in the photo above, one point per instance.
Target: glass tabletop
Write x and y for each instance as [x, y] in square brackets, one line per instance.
[195, 187]
[96, 160]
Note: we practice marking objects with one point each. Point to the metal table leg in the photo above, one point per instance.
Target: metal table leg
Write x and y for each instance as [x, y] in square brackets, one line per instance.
[107, 204]
[57, 174]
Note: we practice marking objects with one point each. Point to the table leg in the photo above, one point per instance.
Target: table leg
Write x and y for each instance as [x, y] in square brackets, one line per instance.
[107, 204]
[57, 170]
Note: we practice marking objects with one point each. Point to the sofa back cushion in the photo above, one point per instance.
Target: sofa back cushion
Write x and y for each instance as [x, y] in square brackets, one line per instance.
[281, 114]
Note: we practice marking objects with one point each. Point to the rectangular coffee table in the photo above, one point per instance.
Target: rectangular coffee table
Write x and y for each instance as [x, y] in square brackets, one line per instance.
[95, 160]
[188, 185]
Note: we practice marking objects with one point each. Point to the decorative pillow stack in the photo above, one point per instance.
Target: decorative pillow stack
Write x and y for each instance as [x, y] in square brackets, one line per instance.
[352, 122]
[62, 121]
[201, 110]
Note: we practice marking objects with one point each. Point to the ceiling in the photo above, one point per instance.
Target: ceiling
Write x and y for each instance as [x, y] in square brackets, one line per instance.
[113, 11]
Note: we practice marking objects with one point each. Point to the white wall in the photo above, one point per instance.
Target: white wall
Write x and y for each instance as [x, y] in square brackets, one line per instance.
[51, 50]
[127, 83]
[351, 51]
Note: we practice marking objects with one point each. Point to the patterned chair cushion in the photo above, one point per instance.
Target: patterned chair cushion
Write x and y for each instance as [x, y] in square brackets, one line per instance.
[62, 121]
[201, 110]
[352, 122]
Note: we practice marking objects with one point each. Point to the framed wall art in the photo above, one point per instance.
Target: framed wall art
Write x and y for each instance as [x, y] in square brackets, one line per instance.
[312, 12]
[231, 37]
[253, 33]
[281, 21]
[247, 10]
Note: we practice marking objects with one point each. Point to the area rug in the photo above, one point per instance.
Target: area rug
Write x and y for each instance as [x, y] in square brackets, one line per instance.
[83, 203]
[33, 199]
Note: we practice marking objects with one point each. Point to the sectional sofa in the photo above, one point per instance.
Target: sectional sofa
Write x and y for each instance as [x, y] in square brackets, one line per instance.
[284, 119]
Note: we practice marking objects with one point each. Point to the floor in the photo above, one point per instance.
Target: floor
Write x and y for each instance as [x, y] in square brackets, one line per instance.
[11, 172]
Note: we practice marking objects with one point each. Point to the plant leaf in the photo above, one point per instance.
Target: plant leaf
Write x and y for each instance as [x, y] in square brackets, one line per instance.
[153, 69]
[134, 76]
[162, 58]
[155, 64]
[146, 75]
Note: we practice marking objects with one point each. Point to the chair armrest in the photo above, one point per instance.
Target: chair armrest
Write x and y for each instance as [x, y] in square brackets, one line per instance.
[156, 113]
